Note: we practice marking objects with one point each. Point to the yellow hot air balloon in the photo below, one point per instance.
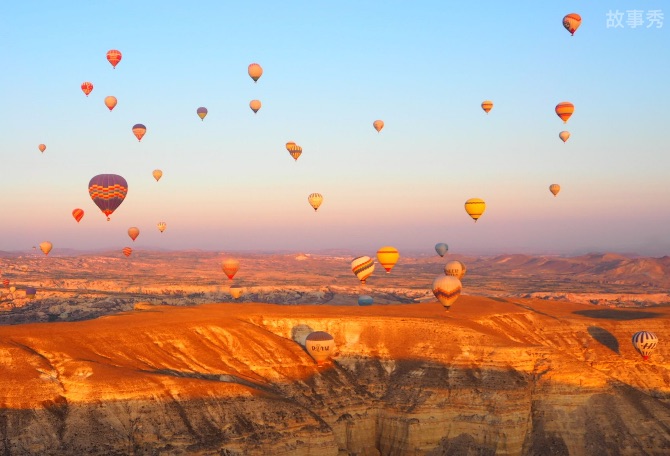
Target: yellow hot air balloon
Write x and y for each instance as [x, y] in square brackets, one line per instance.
[487, 106]
[110, 102]
[236, 291]
[294, 149]
[157, 173]
[320, 345]
[455, 268]
[255, 71]
[564, 135]
[315, 200]
[363, 267]
[554, 188]
[133, 232]
[378, 124]
[564, 110]
[571, 22]
[12, 289]
[161, 226]
[446, 289]
[255, 105]
[475, 207]
[46, 247]
[388, 257]
[230, 267]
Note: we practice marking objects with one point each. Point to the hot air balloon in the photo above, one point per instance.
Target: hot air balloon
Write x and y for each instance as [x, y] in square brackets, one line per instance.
[114, 57]
[487, 106]
[86, 87]
[108, 192]
[31, 292]
[365, 300]
[202, 112]
[564, 110]
[388, 257]
[441, 248]
[446, 289]
[315, 200]
[133, 232]
[5, 282]
[475, 207]
[255, 105]
[378, 124]
[571, 22]
[42, 147]
[236, 291]
[294, 149]
[110, 102]
[363, 267]
[255, 71]
[564, 135]
[46, 247]
[139, 130]
[157, 173]
[645, 343]
[12, 289]
[230, 267]
[161, 226]
[77, 214]
[320, 345]
[554, 188]
[127, 251]
[455, 268]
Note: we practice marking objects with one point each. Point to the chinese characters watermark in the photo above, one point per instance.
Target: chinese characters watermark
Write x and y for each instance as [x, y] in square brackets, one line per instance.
[634, 18]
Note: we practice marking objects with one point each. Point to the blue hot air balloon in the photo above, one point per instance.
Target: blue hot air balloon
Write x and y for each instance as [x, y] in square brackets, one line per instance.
[441, 248]
[365, 300]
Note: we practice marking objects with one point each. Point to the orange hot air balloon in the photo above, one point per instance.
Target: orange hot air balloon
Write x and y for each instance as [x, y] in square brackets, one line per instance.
[315, 200]
[571, 22]
[86, 87]
[161, 226]
[378, 124]
[475, 207]
[487, 106]
[564, 110]
[133, 232]
[77, 214]
[42, 147]
[255, 105]
[139, 130]
[230, 267]
[114, 57]
[554, 188]
[564, 135]
[255, 71]
[388, 257]
[46, 247]
[236, 291]
[110, 102]
[363, 267]
[294, 149]
[127, 251]
[157, 173]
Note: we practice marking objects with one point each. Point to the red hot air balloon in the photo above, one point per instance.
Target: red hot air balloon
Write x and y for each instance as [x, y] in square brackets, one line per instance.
[114, 57]
[108, 192]
[127, 251]
[77, 214]
[42, 147]
[86, 87]
[139, 130]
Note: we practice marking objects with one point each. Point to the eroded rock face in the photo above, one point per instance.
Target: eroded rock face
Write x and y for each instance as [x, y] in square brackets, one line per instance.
[490, 377]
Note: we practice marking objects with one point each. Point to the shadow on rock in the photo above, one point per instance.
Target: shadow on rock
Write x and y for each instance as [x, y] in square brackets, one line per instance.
[613, 314]
[604, 337]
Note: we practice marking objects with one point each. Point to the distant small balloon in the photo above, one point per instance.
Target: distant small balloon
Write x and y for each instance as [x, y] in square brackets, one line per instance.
[571, 22]
[31, 292]
[255, 105]
[157, 173]
[378, 124]
[645, 343]
[86, 87]
[139, 130]
[446, 289]
[162, 226]
[475, 207]
[455, 268]
[46, 247]
[315, 200]
[320, 345]
[441, 248]
[554, 188]
[42, 147]
[230, 267]
[202, 112]
[127, 251]
[236, 291]
[363, 267]
[255, 71]
[114, 57]
[365, 300]
[294, 149]
[564, 110]
[564, 135]
[133, 232]
[78, 214]
[388, 256]
[110, 102]
[487, 106]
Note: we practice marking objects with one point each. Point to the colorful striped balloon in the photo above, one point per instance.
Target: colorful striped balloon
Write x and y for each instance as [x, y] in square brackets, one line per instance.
[564, 110]
[363, 267]
[294, 149]
[487, 106]
[161, 226]
[315, 200]
[202, 112]
[114, 57]
[108, 191]
[77, 214]
[571, 22]
[139, 130]
[645, 343]
[127, 251]
[86, 87]
[446, 289]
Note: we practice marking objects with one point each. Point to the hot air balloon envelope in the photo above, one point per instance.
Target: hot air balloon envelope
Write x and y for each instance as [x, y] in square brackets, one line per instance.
[363, 267]
[446, 289]
[162, 226]
[564, 110]
[554, 188]
[114, 57]
[139, 130]
[571, 22]
[388, 256]
[564, 135]
[202, 112]
[315, 200]
[255, 105]
[127, 251]
[86, 87]
[645, 343]
[294, 149]
[46, 247]
[110, 102]
[255, 71]
[441, 248]
[230, 267]
[455, 268]
[487, 106]
[133, 232]
[378, 124]
[108, 192]
[365, 300]
[320, 345]
[157, 173]
[236, 291]
[475, 207]
[42, 147]
[77, 214]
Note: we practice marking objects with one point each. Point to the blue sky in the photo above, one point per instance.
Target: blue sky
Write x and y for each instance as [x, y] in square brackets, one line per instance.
[330, 70]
